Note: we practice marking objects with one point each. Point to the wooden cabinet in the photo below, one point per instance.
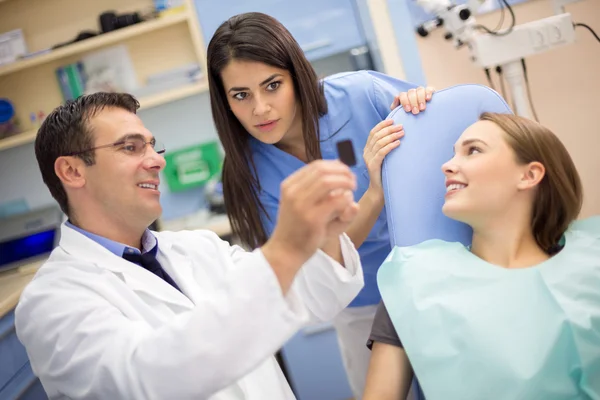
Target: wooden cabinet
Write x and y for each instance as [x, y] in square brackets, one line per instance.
[154, 46]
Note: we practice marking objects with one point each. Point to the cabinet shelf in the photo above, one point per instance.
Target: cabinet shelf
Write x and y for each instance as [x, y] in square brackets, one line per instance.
[18, 139]
[174, 94]
[145, 103]
[96, 42]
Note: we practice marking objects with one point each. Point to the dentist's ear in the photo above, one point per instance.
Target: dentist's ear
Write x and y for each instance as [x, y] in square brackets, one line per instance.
[71, 171]
[532, 175]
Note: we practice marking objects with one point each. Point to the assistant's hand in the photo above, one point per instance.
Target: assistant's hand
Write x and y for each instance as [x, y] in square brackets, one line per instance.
[414, 100]
[383, 138]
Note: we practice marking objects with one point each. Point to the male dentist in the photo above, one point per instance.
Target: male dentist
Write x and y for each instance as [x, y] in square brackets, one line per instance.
[120, 312]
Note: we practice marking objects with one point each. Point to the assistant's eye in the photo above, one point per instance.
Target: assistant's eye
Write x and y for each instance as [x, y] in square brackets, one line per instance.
[240, 96]
[273, 86]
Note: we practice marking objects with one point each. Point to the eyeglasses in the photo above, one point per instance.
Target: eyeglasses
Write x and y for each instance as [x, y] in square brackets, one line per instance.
[135, 146]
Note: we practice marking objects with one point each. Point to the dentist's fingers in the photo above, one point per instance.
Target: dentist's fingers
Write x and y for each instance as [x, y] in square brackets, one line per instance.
[317, 179]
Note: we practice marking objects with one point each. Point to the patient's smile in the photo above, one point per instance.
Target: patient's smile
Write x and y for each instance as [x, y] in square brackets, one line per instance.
[454, 187]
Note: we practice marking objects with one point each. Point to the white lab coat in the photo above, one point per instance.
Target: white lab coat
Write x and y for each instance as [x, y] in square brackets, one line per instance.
[96, 326]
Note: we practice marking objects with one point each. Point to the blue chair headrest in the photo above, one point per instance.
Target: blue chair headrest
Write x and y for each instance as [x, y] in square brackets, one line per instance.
[413, 181]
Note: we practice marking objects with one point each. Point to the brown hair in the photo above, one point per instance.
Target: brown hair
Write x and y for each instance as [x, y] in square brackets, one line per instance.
[66, 130]
[256, 37]
[559, 196]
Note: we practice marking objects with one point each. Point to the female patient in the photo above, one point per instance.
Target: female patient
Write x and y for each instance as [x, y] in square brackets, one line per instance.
[516, 315]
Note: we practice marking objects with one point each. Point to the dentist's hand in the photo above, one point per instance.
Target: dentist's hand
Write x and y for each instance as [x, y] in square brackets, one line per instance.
[316, 204]
[414, 100]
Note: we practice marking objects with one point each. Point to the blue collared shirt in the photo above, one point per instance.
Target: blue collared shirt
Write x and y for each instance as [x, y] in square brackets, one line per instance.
[149, 242]
[149, 245]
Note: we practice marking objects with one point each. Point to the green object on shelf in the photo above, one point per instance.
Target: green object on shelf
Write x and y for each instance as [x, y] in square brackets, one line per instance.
[71, 79]
[192, 166]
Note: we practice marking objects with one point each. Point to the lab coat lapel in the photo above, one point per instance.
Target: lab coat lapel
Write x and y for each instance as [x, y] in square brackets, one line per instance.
[135, 276]
[180, 268]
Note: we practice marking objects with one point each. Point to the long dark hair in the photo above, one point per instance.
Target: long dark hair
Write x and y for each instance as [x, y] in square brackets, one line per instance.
[559, 197]
[257, 37]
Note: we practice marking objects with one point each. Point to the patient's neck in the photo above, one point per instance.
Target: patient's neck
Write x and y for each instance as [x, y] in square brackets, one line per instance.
[507, 242]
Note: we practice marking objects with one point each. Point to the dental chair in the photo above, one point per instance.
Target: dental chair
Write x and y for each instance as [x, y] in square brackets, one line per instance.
[413, 182]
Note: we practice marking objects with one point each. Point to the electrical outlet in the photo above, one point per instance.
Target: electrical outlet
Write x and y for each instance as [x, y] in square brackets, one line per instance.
[524, 41]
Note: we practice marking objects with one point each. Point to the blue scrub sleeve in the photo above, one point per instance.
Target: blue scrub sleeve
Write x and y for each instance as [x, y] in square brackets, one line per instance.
[271, 207]
[386, 88]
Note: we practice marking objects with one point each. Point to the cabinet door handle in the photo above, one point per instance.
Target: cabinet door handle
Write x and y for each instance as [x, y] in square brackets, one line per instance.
[316, 45]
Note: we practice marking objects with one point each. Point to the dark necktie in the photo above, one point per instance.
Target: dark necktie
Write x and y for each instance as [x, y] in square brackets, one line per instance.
[148, 261]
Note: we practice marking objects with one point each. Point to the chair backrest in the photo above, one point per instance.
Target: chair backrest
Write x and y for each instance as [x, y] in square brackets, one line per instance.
[413, 181]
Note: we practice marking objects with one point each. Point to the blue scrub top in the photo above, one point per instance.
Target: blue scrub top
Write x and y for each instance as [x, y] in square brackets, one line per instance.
[356, 101]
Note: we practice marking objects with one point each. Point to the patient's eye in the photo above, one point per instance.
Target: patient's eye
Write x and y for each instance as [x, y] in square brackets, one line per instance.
[473, 150]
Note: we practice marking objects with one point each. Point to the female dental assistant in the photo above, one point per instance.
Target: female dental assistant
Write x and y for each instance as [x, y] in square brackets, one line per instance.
[274, 116]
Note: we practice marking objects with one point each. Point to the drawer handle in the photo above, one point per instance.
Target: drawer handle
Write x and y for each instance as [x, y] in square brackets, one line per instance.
[316, 45]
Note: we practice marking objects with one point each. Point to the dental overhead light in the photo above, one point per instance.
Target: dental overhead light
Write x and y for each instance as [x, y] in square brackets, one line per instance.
[504, 50]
